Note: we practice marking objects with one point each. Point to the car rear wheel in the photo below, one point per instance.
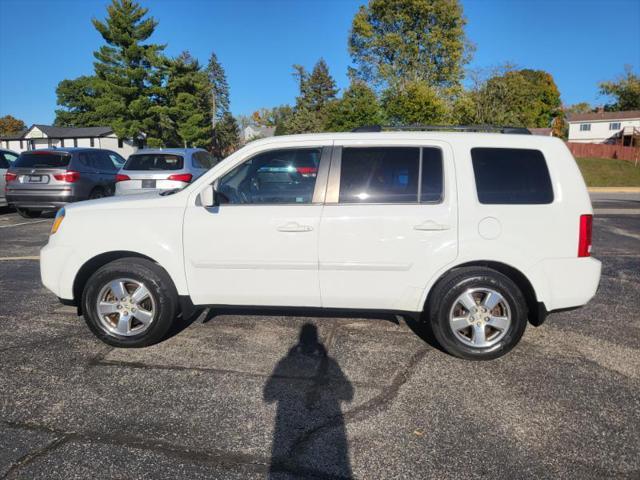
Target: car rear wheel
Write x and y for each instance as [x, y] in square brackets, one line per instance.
[130, 303]
[26, 213]
[477, 313]
[97, 193]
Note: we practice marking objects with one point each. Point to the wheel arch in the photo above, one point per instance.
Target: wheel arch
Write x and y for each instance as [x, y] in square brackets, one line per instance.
[93, 264]
[536, 309]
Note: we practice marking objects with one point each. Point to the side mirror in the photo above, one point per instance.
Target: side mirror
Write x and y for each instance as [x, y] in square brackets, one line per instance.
[208, 197]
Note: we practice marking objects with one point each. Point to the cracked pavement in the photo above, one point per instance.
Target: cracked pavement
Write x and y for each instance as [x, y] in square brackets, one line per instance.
[244, 396]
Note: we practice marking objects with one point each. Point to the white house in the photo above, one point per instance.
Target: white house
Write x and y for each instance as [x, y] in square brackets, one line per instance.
[621, 128]
[48, 136]
[252, 132]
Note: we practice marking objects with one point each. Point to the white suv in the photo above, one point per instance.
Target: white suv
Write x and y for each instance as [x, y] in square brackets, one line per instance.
[474, 233]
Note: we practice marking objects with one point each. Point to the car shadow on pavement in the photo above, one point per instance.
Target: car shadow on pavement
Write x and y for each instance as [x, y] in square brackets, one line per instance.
[308, 387]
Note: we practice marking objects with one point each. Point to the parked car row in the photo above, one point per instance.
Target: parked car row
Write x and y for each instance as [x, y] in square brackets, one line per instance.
[40, 180]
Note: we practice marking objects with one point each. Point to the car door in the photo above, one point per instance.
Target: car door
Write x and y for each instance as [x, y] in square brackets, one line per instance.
[389, 223]
[260, 245]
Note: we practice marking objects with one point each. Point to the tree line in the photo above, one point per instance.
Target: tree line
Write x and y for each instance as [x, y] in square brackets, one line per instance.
[409, 58]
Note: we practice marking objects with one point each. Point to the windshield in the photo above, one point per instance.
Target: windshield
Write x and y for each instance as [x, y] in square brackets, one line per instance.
[154, 161]
[42, 159]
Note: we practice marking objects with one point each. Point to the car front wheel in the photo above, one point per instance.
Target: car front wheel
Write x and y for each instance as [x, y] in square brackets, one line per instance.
[130, 303]
[477, 313]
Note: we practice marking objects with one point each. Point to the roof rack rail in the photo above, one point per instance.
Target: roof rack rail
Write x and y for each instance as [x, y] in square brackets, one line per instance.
[444, 128]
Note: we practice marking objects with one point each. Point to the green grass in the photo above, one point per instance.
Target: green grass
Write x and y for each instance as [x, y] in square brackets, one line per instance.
[607, 172]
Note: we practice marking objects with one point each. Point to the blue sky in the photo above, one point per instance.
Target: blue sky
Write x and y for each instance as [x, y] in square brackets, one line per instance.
[44, 41]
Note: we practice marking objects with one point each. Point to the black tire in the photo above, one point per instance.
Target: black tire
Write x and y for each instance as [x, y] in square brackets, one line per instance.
[97, 193]
[25, 213]
[447, 291]
[160, 287]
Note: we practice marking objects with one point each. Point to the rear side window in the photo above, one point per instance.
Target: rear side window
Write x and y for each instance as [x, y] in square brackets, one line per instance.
[203, 160]
[43, 160]
[390, 175]
[7, 159]
[511, 176]
[154, 161]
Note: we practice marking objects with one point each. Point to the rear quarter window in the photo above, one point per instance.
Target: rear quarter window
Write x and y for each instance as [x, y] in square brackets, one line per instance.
[511, 176]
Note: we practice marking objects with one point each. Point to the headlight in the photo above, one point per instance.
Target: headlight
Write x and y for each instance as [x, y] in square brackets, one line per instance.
[58, 221]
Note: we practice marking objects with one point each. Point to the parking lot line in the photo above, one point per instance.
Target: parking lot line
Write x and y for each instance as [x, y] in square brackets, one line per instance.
[23, 223]
[33, 257]
[617, 211]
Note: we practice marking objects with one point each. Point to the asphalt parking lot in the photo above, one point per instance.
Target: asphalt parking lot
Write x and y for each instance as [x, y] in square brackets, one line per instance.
[252, 396]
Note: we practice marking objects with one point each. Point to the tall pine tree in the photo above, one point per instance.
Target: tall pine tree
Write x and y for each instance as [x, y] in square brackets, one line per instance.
[127, 83]
[219, 89]
[187, 103]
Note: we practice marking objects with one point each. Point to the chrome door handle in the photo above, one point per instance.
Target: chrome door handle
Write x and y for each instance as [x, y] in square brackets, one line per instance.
[294, 227]
[430, 225]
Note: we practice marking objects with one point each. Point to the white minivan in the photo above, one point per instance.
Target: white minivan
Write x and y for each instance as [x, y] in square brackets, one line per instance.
[475, 233]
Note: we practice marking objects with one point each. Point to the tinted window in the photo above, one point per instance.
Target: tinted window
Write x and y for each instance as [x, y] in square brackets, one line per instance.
[7, 159]
[116, 159]
[279, 176]
[102, 162]
[431, 186]
[44, 159]
[511, 176]
[154, 161]
[202, 160]
[379, 175]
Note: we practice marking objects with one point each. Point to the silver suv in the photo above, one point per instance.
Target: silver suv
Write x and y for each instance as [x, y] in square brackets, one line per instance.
[162, 169]
[48, 179]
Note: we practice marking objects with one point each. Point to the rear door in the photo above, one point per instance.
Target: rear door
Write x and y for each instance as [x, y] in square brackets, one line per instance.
[389, 223]
[40, 172]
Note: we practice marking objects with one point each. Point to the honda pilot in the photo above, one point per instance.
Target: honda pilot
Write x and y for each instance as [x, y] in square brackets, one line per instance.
[475, 234]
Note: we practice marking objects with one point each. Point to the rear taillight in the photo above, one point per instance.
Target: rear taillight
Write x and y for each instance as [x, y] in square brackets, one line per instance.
[584, 237]
[69, 176]
[307, 171]
[122, 178]
[10, 177]
[181, 177]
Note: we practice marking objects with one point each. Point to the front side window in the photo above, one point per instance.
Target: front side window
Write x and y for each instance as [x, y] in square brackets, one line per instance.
[585, 127]
[511, 176]
[285, 176]
[614, 126]
[154, 161]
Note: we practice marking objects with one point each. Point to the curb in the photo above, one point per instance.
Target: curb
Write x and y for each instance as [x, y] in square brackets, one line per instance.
[614, 189]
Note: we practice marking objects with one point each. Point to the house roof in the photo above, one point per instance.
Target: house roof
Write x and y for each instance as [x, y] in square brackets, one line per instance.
[61, 132]
[595, 116]
[71, 132]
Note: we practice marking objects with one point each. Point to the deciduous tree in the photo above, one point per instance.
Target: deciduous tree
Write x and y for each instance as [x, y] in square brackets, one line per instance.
[358, 107]
[10, 124]
[625, 91]
[393, 42]
[412, 104]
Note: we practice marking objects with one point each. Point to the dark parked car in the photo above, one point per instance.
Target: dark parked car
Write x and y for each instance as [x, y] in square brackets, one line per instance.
[48, 179]
[7, 157]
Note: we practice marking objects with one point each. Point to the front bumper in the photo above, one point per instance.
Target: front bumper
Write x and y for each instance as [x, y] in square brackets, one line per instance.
[53, 262]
